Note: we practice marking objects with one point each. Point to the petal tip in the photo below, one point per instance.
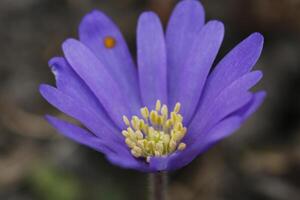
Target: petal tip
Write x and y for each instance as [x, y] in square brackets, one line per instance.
[262, 94]
[90, 16]
[42, 88]
[45, 89]
[55, 64]
[259, 74]
[95, 12]
[190, 3]
[216, 27]
[217, 23]
[68, 43]
[54, 60]
[147, 15]
[257, 38]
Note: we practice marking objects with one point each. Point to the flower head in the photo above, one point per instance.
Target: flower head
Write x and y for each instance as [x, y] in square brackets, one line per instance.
[169, 109]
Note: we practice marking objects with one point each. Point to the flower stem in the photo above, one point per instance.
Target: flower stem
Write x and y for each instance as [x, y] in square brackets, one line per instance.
[158, 186]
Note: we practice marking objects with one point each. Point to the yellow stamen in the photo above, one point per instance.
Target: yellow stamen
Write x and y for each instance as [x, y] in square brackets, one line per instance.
[158, 133]
[145, 112]
[126, 120]
[157, 105]
[164, 111]
[177, 107]
[181, 146]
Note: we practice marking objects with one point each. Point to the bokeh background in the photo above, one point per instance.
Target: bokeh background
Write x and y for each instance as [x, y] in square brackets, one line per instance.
[260, 162]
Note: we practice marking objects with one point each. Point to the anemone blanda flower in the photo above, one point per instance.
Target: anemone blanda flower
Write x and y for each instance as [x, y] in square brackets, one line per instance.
[169, 109]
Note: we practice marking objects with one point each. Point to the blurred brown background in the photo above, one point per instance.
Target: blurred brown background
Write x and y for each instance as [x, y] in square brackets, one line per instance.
[260, 162]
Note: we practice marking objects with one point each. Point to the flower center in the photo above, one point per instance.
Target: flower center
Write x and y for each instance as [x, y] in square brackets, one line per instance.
[158, 133]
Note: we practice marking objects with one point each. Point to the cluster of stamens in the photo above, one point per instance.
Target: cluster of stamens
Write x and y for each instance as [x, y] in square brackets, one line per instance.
[158, 133]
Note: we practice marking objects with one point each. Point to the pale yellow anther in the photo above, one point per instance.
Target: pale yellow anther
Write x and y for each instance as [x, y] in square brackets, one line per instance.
[151, 132]
[130, 130]
[157, 105]
[130, 143]
[145, 112]
[135, 122]
[175, 136]
[139, 135]
[148, 159]
[153, 117]
[157, 153]
[158, 133]
[141, 124]
[137, 151]
[181, 146]
[159, 120]
[164, 110]
[172, 145]
[166, 139]
[179, 118]
[168, 123]
[150, 146]
[159, 147]
[173, 116]
[126, 120]
[131, 134]
[177, 107]
[141, 143]
[178, 126]
[125, 133]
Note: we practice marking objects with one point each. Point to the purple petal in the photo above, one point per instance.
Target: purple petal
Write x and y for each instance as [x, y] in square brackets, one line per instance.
[79, 135]
[232, 98]
[152, 61]
[235, 64]
[201, 144]
[225, 105]
[252, 106]
[71, 84]
[93, 30]
[129, 162]
[95, 75]
[187, 86]
[224, 129]
[114, 153]
[82, 112]
[183, 30]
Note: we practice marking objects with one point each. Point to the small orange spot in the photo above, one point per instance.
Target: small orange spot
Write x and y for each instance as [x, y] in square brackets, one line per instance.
[109, 42]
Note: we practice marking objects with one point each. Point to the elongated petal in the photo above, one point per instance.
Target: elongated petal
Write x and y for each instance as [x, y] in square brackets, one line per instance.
[224, 106]
[220, 131]
[235, 64]
[71, 84]
[232, 98]
[79, 135]
[187, 87]
[152, 61]
[129, 162]
[252, 106]
[183, 30]
[94, 30]
[92, 71]
[113, 152]
[82, 112]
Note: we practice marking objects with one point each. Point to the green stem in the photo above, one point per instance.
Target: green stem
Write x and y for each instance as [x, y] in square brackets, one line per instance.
[158, 186]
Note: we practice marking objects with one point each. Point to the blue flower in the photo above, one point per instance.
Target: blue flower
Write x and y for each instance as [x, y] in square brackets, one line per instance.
[169, 109]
